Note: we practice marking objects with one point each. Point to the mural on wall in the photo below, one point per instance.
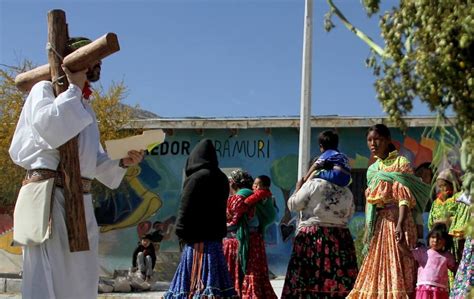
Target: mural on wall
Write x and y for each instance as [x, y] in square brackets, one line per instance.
[149, 199]
[284, 174]
[133, 206]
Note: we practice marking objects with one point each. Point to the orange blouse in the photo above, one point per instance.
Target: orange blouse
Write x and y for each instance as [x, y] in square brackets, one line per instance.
[386, 193]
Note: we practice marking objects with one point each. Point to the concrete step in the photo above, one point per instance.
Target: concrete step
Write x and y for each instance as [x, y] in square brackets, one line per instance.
[15, 287]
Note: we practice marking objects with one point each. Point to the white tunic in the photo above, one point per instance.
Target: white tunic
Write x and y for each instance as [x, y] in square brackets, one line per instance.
[51, 270]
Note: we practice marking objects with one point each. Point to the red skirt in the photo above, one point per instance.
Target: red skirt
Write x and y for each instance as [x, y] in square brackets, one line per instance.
[254, 284]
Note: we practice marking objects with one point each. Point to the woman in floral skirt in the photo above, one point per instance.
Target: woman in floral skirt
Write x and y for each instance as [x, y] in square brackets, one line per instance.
[244, 247]
[323, 263]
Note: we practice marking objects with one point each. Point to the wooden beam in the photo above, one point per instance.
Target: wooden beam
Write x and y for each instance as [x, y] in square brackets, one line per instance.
[69, 167]
[278, 122]
[80, 59]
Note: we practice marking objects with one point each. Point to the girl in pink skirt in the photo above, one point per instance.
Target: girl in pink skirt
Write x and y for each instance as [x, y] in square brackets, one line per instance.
[433, 264]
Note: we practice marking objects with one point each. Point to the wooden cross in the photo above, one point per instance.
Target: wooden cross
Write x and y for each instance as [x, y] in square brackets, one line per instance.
[69, 166]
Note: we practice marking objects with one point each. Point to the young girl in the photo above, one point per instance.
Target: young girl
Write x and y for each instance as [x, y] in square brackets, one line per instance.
[444, 207]
[433, 264]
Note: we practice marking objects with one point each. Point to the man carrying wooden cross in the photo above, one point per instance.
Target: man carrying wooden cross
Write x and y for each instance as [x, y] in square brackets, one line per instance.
[51, 269]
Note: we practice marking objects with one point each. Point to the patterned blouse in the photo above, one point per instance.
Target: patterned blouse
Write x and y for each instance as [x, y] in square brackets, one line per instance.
[442, 211]
[322, 203]
[236, 208]
[386, 193]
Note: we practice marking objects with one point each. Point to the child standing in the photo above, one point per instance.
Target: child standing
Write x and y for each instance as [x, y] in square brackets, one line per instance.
[443, 208]
[332, 166]
[145, 257]
[433, 264]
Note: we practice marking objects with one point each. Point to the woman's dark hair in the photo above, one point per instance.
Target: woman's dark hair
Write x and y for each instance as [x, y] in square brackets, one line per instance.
[440, 230]
[241, 179]
[265, 181]
[383, 131]
[328, 140]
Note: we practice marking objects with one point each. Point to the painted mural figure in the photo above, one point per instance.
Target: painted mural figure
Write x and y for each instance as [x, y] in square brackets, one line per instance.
[323, 262]
[244, 247]
[46, 122]
[144, 258]
[391, 194]
[433, 263]
[201, 225]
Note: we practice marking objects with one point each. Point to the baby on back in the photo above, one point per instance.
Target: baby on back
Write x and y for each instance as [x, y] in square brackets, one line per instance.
[332, 166]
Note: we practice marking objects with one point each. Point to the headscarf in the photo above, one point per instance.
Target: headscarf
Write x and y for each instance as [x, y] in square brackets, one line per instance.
[241, 178]
[75, 43]
[450, 176]
[72, 45]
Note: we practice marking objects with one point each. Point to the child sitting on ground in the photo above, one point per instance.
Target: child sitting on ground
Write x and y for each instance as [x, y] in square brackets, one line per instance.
[144, 257]
[332, 166]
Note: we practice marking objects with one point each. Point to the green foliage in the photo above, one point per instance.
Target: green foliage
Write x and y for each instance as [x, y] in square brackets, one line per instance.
[431, 50]
[428, 55]
[11, 102]
[359, 246]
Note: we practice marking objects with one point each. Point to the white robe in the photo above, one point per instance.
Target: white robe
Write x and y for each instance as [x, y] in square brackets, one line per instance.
[50, 270]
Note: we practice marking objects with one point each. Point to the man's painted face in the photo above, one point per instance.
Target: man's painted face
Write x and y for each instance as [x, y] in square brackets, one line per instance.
[93, 73]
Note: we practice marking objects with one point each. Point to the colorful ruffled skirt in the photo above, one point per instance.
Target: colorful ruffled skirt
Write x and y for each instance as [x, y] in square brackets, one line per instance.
[202, 273]
[323, 264]
[385, 272]
[464, 280]
[255, 284]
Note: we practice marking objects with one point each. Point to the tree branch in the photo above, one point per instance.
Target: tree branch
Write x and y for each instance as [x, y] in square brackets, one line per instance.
[364, 37]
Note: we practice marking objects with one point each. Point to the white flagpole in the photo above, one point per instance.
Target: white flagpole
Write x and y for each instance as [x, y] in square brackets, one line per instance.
[305, 110]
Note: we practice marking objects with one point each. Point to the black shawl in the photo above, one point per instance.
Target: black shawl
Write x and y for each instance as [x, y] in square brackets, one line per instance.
[202, 212]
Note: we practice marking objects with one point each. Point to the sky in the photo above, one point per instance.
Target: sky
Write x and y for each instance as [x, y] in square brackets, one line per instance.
[212, 58]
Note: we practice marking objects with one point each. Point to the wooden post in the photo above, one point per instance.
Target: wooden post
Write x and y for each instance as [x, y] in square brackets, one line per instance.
[69, 166]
